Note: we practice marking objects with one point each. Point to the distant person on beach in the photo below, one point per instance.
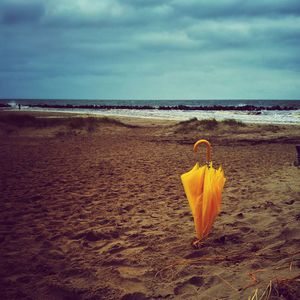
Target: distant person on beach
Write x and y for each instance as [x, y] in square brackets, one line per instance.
[19, 106]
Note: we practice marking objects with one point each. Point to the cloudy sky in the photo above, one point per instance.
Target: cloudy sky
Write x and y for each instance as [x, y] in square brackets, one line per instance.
[150, 49]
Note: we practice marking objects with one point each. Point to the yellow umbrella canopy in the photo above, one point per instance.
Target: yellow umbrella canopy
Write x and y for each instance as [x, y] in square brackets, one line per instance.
[203, 186]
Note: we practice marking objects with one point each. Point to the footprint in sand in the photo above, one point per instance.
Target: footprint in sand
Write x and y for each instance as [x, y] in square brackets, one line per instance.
[234, 238]
[196, 254]
[116, 248]
[65, 292]
[134, 296]
[188, 286]
[94, 235]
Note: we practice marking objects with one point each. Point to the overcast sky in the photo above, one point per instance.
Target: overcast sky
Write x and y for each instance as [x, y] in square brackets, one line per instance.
[150, 49]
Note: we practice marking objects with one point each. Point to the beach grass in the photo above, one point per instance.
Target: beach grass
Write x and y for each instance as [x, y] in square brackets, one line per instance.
[233, 123]
[88, 123]
[206, 124]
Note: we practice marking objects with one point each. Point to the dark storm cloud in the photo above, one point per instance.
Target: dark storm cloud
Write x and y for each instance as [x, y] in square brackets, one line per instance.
[16, 13]
[171, 48]
[127, 14]
[236, 9]
[147, 3]
[247, 35]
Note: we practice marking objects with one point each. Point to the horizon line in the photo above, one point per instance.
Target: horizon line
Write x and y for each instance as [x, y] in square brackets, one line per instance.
[149, 99]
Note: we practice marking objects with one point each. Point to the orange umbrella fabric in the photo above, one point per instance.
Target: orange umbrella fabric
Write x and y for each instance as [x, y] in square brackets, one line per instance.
[203, 186]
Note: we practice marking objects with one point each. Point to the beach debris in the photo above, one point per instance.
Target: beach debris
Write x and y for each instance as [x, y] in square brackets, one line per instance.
[203, 186]
[283, 288]
[279, 288]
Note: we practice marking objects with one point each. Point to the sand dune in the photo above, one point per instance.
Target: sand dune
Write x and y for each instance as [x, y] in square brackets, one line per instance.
[99, 212]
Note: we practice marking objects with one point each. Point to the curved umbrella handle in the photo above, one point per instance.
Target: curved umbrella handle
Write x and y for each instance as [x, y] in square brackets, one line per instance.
[208, 149]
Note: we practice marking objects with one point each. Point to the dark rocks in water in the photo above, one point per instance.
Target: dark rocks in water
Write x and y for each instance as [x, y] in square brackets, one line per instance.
[4, 105]
[254, 113]
[103, 107]
[250, 108]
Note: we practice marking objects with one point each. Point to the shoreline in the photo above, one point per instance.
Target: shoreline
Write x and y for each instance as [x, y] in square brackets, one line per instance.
[159, 119]
[134, 120]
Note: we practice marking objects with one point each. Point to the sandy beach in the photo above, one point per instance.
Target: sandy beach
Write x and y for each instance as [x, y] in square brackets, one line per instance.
[95, 209]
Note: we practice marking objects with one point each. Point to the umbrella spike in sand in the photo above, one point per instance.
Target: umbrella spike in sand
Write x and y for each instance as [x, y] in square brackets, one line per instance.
[203, 186]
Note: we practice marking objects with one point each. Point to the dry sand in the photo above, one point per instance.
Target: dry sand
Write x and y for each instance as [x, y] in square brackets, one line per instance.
[99, 212]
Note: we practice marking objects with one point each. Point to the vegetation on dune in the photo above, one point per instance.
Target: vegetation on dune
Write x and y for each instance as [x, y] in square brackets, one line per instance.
[272, 128]
[209, 124]
[206, 124]
[89, 123]
[233, 123]
[111, 121]
[186, 122]
[82, 123]
[195, 124]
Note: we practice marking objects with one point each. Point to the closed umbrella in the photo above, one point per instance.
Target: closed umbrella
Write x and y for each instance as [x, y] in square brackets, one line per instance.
[203, 186]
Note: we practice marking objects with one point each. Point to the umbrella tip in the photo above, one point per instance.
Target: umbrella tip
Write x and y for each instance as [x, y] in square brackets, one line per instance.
[196, 243]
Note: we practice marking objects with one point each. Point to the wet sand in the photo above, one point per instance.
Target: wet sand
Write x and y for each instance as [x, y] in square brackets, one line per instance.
[100, 213]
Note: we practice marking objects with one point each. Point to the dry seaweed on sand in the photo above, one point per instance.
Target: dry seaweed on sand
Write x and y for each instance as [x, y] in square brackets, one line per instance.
[279, 288]
[288, 287]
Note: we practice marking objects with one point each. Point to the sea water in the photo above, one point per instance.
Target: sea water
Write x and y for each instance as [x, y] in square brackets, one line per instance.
[288, 111]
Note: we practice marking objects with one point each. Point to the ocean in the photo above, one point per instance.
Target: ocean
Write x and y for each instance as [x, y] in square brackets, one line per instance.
[247, 111]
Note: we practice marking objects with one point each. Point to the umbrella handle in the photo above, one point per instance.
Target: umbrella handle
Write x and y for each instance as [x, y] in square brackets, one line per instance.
[208, 149]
